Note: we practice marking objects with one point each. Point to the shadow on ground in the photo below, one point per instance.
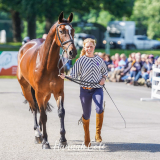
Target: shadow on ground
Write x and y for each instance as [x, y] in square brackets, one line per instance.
[114, 147]
[138, 147]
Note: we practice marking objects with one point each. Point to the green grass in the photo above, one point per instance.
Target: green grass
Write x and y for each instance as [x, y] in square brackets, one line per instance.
[127, 52]
[8, 77]
[10, 46]
[15, 43]
[9, 49]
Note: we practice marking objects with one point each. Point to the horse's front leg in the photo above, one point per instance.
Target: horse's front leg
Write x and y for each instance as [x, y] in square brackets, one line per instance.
[43, 118]
[61, 114]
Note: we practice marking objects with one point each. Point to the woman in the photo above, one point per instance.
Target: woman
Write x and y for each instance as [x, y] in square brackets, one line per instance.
[90, 68]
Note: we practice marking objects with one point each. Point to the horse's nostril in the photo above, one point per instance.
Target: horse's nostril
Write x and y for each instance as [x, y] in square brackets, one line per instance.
[70, 53]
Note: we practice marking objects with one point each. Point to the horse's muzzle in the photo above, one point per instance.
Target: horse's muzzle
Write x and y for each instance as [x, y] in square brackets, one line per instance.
[72, 54]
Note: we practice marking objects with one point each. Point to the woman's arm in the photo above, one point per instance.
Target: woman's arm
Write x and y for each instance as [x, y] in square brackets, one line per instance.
[75, 71]
[104, 73]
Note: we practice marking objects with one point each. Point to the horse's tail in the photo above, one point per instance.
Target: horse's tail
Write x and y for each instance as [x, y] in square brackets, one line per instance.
[34, 98]
[49, 106]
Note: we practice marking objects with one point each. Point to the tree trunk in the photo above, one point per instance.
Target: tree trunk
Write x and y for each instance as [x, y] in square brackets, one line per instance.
[16, 24]
[48, 25]
[31, 27]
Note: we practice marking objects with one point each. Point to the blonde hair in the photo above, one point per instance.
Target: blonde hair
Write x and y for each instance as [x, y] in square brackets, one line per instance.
[83, 52]
[122, 55]
[158, 60]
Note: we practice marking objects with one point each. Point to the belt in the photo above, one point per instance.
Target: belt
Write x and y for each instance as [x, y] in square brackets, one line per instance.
[87, 88]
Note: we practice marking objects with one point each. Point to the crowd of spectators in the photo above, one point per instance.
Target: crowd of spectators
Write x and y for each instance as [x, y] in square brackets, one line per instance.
[136, 69]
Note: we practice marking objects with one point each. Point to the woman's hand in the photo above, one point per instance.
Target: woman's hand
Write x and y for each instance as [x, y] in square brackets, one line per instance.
[102, 82]
[62, 75]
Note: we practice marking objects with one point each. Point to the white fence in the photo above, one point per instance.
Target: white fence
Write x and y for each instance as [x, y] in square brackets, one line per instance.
[155, 91]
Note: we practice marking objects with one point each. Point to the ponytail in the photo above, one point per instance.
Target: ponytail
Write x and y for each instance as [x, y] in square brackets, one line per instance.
[83, 52]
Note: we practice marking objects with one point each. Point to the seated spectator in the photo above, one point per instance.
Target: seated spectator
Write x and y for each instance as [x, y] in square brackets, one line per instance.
[143, 58]
[44, 36]
[138, 53]
[133, 56]
[122, 62]
[102, 55]
[117, 59]
[151, 59]
[126, 72]
[108, 62]
[112, 66]
[25, 40]
[147, 65]
[135, 72]
[157, 62]
[115, 76]
[144, 73]
[157, 65]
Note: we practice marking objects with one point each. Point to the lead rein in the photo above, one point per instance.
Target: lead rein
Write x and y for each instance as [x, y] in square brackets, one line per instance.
[79, 82]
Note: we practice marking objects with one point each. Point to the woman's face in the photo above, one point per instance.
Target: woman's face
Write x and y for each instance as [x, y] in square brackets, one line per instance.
[89, 48]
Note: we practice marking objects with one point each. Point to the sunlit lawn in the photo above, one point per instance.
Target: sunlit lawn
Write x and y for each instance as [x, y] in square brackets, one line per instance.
[127, 52]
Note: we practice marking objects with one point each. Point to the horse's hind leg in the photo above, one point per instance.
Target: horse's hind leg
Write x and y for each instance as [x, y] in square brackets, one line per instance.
[26, 89]
[38, 135]
[43, 118]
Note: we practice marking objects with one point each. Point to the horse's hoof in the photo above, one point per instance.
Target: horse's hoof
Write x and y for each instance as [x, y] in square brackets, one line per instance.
[38, 140]
[46, 146]
[63, 144]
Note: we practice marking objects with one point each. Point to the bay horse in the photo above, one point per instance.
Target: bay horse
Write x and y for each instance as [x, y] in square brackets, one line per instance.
[37, 72]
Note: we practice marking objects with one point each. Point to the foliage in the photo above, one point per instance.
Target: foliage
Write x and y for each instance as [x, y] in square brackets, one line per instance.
[50, 10]
[5, 15]
[24, 31]
[120, 51]
[118, 8]
[146, 13]
[39, 29]
[103, 17]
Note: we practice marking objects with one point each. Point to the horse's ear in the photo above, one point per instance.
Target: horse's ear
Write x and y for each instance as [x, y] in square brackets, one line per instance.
[70, 18]
[60, 17]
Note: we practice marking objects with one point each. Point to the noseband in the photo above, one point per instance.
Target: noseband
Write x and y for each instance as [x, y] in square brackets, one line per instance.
[62, 45]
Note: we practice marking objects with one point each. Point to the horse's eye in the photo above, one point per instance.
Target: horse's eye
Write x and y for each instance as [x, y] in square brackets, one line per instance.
[61, 31]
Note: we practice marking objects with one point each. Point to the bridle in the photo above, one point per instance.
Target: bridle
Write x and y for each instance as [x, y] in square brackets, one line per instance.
[62, 45]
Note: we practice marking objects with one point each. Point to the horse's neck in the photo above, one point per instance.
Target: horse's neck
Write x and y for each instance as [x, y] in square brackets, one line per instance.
[53, 57]
[50, 51]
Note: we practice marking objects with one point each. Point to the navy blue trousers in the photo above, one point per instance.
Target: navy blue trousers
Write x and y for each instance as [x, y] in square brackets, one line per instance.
[86, 97]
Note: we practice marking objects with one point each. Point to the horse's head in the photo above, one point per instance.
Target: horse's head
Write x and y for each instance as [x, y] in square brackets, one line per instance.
[65, 35]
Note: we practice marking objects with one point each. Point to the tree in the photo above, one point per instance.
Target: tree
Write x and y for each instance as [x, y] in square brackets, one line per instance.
[153, 15]
[146, 13]
[12, 7]
[52, 9]
[118, 8]
[106, 10]
[29, 11]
